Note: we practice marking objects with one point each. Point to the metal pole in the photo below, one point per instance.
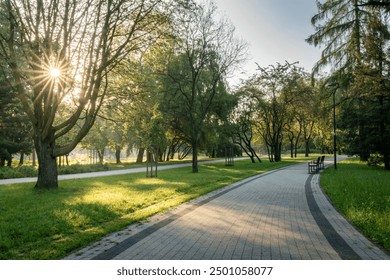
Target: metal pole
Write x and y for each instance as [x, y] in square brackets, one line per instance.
[334, 130]
[336, 86]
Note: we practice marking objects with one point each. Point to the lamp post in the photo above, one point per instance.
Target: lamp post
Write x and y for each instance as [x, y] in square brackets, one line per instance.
[335, 86]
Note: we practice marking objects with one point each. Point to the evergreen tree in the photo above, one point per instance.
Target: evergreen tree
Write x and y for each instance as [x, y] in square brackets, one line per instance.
[15, 129]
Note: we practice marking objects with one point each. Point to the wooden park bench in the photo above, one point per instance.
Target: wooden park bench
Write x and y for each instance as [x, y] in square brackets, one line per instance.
[316, 165]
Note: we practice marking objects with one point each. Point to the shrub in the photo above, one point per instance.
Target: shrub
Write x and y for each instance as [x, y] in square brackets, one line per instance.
[17, 172]
[375, 160]
[82, 168]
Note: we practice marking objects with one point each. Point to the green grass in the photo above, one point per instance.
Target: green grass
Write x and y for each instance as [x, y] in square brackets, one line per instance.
[51, 224]
[362, 194]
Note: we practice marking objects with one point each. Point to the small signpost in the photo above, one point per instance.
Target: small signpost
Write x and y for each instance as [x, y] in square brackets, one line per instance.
[229, 156]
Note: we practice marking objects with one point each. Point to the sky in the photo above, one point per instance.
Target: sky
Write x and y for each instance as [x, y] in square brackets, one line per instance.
[275, 31]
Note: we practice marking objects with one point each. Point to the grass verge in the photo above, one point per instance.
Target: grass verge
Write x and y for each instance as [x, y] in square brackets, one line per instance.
[51, 224]
[362, 194]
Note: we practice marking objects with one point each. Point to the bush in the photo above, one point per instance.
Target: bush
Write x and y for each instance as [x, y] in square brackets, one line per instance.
[82, 168]
[375, 160]
[18, 172]
[29, 171]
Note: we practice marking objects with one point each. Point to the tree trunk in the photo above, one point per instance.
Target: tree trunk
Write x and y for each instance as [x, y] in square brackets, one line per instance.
[307, 147]
[34, 159]
[278, 152]
[118, 154]
[21, 160]
[47, 168]
[195, 168]
[140, 156]
[383, 135]
[101, 156]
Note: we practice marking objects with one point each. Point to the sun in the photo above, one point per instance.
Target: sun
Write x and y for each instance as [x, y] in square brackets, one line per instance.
[54, 72]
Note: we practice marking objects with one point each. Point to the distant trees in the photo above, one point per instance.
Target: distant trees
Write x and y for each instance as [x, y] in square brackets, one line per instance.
[242, 125]
[281, 107]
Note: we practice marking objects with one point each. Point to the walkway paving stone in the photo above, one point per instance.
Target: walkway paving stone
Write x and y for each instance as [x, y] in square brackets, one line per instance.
[279, 215]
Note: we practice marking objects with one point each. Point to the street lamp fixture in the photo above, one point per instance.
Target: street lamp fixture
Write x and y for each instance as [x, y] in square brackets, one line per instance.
[335, 86]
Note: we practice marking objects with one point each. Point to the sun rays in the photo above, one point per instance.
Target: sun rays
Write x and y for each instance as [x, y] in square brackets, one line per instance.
[47, 77]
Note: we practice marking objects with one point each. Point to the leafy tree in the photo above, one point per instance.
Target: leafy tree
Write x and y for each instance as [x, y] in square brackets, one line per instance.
[275, 87]
[98, 138]
[242, 121]
[204, 53]
[60, 54]
[302, 112]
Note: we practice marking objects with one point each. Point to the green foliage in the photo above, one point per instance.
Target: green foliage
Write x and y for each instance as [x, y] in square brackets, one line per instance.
[18, 172]
[83, 168]
[362, 194]
[15, 131]
[278, 100]
[356, 40]
[375, 160]
[338, 26]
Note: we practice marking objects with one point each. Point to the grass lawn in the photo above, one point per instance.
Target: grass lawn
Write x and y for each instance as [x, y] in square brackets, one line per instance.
[51, 224]
[362, 194]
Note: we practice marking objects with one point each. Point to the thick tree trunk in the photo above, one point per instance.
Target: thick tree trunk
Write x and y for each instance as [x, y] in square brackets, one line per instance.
[47, 169]
[307, 148]
[140, 156]
[278, 152]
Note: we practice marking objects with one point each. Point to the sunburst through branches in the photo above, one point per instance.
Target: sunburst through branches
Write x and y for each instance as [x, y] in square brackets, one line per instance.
[48, 76]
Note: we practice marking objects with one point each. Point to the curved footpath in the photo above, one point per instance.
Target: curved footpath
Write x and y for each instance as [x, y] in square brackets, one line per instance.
[282, 214]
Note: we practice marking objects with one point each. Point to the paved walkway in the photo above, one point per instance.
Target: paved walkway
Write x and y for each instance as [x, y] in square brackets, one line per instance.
[108, 173]
[282, 214]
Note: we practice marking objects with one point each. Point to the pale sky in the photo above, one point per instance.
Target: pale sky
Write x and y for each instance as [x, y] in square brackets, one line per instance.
[274, 29]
